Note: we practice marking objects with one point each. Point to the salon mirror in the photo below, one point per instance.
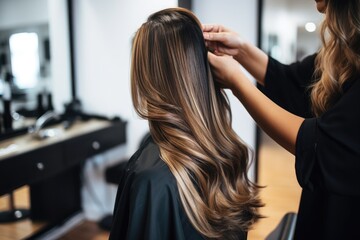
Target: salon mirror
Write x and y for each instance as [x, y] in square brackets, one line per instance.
[34, 58]
[290, 29]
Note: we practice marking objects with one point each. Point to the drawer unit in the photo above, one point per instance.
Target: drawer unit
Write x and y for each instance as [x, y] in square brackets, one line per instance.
[80, 148]
[30, 167]
[52, 168]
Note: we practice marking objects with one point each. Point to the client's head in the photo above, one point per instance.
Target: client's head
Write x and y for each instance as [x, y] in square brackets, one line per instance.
[190, 120]
[169, 67]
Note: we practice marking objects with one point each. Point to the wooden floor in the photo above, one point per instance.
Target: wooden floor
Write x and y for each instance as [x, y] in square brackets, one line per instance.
[281, 193]
[276, 172]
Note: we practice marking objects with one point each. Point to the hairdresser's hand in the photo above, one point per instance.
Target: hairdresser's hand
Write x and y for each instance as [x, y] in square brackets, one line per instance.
[227, 70]
[221, 40]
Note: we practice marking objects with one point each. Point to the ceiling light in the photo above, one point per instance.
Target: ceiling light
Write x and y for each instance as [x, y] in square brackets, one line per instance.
[310, 27]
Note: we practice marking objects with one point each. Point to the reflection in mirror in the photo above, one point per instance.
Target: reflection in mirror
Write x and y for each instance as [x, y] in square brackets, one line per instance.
[28, 76]
[27, 58]
[290, 29]
[35, 71]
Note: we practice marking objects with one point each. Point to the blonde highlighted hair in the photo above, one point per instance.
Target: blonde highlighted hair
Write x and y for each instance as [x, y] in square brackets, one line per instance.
[339, 59]
[190, 120]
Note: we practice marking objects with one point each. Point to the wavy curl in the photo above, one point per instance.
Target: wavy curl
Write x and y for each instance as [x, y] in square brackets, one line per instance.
[190, 120]
[339, 58]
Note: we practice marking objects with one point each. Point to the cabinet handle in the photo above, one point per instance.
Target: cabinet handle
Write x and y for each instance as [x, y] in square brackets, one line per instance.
[96, 145]
[40, 166]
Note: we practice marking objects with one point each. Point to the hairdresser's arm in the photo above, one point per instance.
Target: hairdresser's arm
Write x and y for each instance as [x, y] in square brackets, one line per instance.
[224, 41]
[279, 124]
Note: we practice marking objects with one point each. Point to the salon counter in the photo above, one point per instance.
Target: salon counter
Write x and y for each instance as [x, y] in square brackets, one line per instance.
[52, 167]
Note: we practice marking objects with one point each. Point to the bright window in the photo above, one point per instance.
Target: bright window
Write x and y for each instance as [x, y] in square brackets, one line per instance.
[24, 48]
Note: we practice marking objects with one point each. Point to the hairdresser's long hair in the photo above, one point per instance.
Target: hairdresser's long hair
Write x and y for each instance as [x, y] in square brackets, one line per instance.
[339, 59]
[190, 120]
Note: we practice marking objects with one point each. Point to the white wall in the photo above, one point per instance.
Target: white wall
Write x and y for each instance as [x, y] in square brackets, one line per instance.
[240, 16]
[10, 11]
[104, 30]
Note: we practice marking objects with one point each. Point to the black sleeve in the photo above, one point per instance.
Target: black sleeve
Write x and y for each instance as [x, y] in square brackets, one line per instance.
[328, 148]
[287, 85]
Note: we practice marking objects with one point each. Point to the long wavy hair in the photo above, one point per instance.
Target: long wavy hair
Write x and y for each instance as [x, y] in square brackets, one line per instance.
[190, 120]
[339, 58]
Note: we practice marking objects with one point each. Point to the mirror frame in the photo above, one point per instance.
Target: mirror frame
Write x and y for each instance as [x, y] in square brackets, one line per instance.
[70, 7]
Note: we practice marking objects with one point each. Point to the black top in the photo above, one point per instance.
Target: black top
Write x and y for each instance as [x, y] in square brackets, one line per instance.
[327, 153]
[148, 204]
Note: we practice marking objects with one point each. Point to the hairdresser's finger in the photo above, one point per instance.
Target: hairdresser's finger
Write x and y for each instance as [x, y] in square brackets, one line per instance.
[213, 28]
[210, 36]
[207, 27]
[210, 28]
[220, 49]
[213, 60]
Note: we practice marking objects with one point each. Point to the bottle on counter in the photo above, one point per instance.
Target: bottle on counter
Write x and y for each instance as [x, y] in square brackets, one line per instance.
[40, 104]
[7, 117]
[44, 103]
[50, 105]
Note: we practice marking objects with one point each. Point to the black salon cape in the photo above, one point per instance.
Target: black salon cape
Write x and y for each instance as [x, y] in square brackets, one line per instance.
[148, 204]
[327, 153]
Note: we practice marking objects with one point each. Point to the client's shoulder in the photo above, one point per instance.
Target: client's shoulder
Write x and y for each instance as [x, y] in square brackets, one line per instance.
[150, 170]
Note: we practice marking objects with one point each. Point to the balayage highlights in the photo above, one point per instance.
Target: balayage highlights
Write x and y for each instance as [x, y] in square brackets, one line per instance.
[190, 120]
[339, 59]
